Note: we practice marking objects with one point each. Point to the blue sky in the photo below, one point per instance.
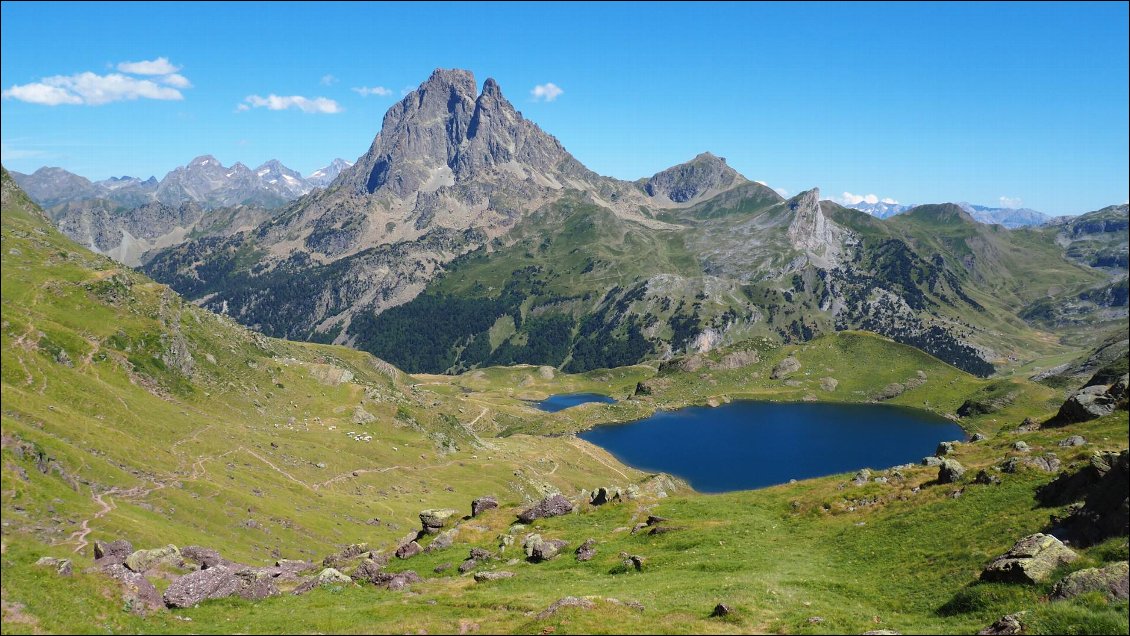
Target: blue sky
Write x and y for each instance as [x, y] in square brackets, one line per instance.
[918, 103]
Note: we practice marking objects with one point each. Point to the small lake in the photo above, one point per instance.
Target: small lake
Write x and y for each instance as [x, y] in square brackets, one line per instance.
[555, 403]
[745, 445]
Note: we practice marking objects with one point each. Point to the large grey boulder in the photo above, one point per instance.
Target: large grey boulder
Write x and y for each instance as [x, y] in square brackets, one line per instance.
[549, 507]
[785, 367]
[203, 557]
[326, 577]
[112, 552]
[1031, 560]
[435, 520]
[482, 504]
[142, 560]
[1112, 581]
[1006, 626]
[140, 595]
[950, 471]
[194, 587]
[1088, 403]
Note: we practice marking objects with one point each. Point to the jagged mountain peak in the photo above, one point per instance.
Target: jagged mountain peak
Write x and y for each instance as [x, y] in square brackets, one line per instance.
[446, 132]
[695, 180]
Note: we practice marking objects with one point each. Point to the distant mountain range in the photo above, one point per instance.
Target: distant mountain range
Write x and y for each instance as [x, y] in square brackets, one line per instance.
[468, 236]
[203, 181]
[1008, 217]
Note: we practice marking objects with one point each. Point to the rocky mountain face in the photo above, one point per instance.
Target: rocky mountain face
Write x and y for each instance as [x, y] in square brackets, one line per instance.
[466, 236]
[451, 170]
[126, 217]
[204, 181]
[698, 179]
[323, 177]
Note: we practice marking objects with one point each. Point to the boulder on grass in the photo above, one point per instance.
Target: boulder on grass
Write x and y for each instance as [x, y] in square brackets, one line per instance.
[1031, 560]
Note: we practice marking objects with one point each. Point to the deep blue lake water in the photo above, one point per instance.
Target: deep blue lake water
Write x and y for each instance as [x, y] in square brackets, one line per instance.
[555, 403]
[745, 445]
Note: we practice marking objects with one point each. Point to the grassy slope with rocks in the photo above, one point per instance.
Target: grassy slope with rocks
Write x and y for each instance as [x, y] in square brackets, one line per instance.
[170, 424]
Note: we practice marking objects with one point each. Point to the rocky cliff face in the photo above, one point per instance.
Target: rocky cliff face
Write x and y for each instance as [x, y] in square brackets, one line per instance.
[694, 181]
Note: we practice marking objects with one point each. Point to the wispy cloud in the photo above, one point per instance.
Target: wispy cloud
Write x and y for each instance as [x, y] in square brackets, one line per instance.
[329, 80]
[176, 80]
[1011, 202]
[546, 92]
[90, 89]
[365, 91]
[8, 153]
[319, 105]
[159, 66]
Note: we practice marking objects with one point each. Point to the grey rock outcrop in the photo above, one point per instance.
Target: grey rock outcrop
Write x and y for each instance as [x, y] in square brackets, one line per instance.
[785, 367]
[194, 587]
[1112, 581]
[552, 506]
[950, 471]
[1030, 560]
[140, 595]
[482, 504]
[688, 182]
[435, 520]
[1005, 626]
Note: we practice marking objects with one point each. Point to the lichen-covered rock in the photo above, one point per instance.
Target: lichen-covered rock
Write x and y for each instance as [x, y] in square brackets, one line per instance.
[1086, 404]
[1031, 560]
[950, 471]
[142, 560]
[587, 550]
[139, 594]
[328, 576]
[342, 558]
[497, 575]
[113, 552]
[396, 581]
[256, 583]
[946, 448]
[603, 495]
[443, 541]
[568, 601]
[785, 367]
[482, 504]
[549, 507]
[1074, 440]
[1006, 626]
[408, 550]
[1112, 581]
[194, 587]
[436, 519]
[62, 567]
[203, 557]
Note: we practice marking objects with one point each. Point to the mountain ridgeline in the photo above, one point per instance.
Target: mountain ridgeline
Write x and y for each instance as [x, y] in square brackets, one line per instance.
[467, 236]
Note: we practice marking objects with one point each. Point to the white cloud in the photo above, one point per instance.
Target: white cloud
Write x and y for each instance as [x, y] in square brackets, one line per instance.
[888, 201]
[854, 199]
[39, 93]
[547, 92]
[329, 80]
[320, 105]
[365, 91]
[175, 80]
[90, 89]
[781, 191]
[1011, 202]
[159, 66]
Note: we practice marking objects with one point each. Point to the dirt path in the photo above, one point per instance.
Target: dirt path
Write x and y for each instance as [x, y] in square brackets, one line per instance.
[80, 535]
[579, 445]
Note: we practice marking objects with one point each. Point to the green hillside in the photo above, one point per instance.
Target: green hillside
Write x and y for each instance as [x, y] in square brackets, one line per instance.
[129, 413]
